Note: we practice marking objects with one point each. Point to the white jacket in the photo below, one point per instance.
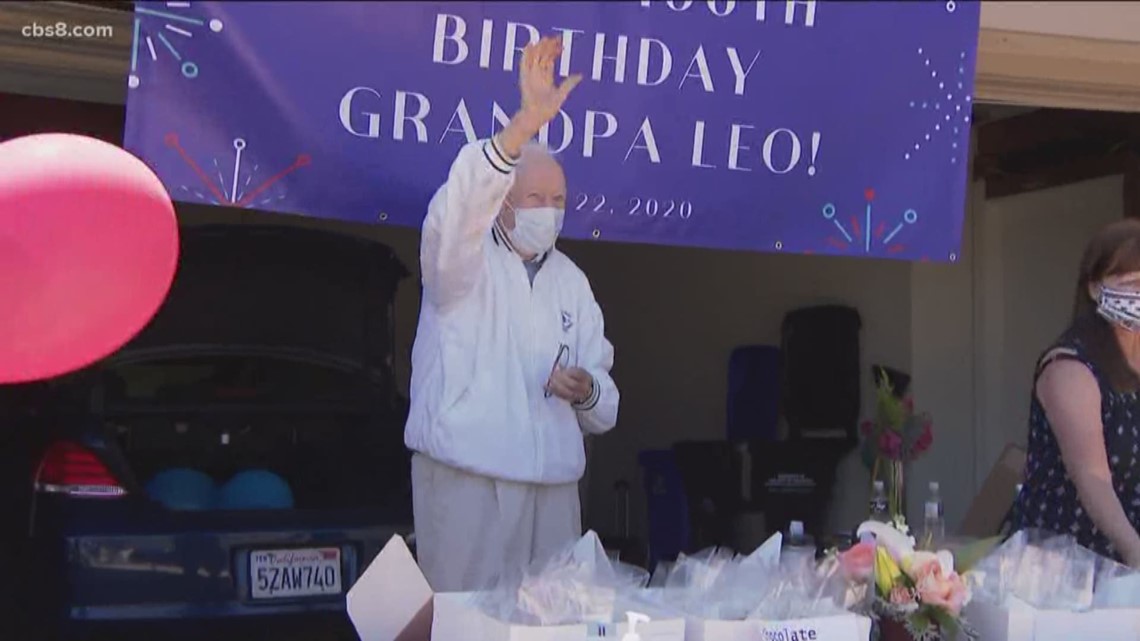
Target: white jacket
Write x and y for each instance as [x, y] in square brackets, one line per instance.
[487, 341]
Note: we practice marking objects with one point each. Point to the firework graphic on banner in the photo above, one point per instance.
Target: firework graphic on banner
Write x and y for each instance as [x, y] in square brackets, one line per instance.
[860, 232]
[239, 184]
[163, 30]
[947, 104]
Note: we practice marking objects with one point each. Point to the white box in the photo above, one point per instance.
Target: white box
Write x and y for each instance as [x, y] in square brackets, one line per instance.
[457, 620]
[845, 627]
[393, 602]
[1022, 622]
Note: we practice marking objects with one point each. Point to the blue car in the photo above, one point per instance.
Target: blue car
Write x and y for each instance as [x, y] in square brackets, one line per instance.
[237, 465]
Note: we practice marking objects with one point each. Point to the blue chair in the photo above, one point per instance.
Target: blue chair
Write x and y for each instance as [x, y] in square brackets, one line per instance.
[754, 389]
[667, 505]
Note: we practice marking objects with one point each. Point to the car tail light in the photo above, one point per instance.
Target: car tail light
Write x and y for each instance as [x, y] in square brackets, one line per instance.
[74, 470]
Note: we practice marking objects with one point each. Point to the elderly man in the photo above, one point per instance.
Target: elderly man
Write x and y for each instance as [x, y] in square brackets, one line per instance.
[510, 365]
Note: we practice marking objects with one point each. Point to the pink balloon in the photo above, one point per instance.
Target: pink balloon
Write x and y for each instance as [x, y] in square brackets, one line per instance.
[88, 249]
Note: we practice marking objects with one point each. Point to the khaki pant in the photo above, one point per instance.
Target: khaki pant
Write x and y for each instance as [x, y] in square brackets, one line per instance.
[470, 528]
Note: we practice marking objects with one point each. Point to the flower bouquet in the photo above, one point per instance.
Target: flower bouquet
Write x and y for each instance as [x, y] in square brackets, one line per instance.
[895, 437]
[916, 595]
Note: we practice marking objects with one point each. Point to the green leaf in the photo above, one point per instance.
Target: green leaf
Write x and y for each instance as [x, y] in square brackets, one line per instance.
[921, 619]
[947, 623]
[889, 410]
[968, 556]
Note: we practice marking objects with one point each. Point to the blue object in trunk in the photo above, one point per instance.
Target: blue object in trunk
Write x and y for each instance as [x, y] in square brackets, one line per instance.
[183, 489]
[256, 490]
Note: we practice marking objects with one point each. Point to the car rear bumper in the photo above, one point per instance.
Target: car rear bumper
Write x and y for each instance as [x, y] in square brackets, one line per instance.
[201, 611]
[172, 572]
[292, 627]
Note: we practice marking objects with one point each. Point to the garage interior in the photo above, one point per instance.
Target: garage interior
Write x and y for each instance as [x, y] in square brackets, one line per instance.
[1045, 177]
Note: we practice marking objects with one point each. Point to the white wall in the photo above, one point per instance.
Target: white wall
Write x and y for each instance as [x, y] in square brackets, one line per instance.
[942, 335]
[1034, 250]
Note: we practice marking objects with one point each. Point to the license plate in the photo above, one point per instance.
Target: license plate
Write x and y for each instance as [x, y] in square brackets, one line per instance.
[284, 574]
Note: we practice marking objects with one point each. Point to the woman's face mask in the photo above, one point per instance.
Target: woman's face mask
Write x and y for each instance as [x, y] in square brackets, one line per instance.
[1120, 307]
[536, 229]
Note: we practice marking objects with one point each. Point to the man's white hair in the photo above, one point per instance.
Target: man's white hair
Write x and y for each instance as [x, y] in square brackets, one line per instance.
[532, 147]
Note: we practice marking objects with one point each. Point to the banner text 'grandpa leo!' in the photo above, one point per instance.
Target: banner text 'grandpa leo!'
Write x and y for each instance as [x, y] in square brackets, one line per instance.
[490, 45]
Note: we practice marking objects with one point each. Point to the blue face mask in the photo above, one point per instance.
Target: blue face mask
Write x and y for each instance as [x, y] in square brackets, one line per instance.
[1120, 307]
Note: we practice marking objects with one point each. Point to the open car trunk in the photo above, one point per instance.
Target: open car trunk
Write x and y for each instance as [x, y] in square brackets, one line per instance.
[311, 426]
[325, 462]
[272, 355]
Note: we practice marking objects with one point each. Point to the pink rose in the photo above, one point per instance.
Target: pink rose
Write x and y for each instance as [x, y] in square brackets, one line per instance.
[858, 563]
[939, 589]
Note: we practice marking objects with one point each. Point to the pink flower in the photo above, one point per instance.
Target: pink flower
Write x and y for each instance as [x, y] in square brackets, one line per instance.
[866, 427]
[924, 440]
[908, 403]
[939, 589]
[890, 444]
[901, 595]
[927, 436]
[858, 563]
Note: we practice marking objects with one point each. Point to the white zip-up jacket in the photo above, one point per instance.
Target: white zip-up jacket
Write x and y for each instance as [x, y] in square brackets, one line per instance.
[488, 339]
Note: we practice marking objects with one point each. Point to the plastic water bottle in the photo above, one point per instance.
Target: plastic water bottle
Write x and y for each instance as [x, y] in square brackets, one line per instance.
[798, 550]
[934, 521]
[880, 509]
[796, 535]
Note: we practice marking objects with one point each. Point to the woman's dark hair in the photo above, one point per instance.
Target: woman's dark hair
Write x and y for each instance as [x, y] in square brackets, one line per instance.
[1113, 251]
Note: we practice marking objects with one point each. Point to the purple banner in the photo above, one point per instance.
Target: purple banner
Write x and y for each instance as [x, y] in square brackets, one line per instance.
[807, 127]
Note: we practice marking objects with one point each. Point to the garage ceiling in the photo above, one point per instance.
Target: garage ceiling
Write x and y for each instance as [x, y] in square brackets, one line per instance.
[989, 112]
[1051, 147]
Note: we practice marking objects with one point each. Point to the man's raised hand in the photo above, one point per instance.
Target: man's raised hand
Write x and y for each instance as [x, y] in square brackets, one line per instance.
[541, 98]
